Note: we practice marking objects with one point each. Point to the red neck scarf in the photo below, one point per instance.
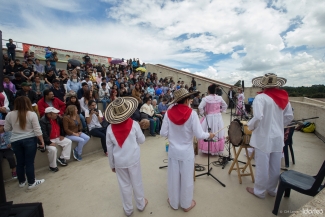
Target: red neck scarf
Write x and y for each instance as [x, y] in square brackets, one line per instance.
[121, 131]
[179, 114]
[280, 97]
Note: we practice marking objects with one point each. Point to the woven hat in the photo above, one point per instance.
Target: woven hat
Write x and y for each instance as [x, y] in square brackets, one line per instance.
[181, 94]
[269, 80]
[120, 109]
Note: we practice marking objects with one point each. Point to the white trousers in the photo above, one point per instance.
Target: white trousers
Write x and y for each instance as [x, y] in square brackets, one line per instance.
[130, 179]
[180, 182]
[52, 150]
[267, 172]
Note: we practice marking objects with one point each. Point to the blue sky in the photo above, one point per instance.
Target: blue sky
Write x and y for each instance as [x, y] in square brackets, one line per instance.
[224, 40]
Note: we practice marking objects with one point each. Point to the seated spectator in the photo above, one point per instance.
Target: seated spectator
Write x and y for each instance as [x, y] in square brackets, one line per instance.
[11, 69]
[82, 90]
[69, 67]
[72, 100]
[95, 91]
[48, 67]
[64, 79]
[26, 91]
[123, 90]
[17, 81]
[57, 91]
[53, 134]
[136, 93]
[73, 128]
[162, 107]
[38, 87]
[8, 84]
[19, 66]
[5, 149]
[39, 68]
[113, 95]
[73, 84]
[27, 72]
[150, 90]
[88, 95]
[49, 78]
[88, 81]
[99, 78]
[94, 119]
[104, 81]
[149, 111]
[49, 100]
[104, 95]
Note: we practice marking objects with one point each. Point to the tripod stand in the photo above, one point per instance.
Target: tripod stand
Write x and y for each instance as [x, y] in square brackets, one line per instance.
[209, 169]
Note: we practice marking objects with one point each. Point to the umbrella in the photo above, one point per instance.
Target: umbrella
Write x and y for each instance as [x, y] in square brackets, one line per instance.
[116, 61]
[141, 69]
[74, 62]
[123, 64]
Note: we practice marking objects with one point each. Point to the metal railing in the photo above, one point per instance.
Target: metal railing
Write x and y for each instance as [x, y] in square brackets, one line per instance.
[19, 45]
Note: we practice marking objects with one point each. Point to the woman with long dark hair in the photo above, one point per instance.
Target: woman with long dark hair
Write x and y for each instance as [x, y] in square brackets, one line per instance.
[73, 100]
[88, 95]
[136, 92]
[113, 95]
[23, 123]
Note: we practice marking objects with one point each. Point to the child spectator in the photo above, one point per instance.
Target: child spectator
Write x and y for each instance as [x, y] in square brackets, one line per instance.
[5, 149]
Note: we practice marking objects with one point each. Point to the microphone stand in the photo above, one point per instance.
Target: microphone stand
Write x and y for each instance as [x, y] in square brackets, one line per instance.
[209, 169]
[229, 158]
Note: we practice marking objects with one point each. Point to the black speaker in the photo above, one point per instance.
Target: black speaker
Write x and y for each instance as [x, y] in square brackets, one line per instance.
[242, 84]
[21, 210]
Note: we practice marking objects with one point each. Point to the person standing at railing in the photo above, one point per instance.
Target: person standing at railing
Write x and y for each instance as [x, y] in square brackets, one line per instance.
[11, 50]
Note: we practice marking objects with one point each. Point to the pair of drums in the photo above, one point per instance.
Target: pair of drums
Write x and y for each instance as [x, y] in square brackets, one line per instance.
[238, 133]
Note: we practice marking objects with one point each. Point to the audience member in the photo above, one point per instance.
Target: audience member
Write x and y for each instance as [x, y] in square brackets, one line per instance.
[11, 69]
[73, 83]
[39, 68]
[73, 129]
[57, 91]
[162, 107]
[27, 72]
[17, 81]
[104, 95]
[7, 84]
[38, 87]
[94, 119]
[72, 100]
[53, 135]
[25, 129]
[88, 95]
[136, 93]
[82, 90]
[48, 67]
[49, 100]
[149, 111]
[11, 49]
[5, 149]
[49, 78]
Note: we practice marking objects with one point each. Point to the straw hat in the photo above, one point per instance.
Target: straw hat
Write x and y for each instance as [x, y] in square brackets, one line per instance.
[269, 80]
[181, 94]
[120, 109]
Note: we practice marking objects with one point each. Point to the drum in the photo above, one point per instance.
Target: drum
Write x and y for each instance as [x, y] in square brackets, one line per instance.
[235, 133]
[239, 133]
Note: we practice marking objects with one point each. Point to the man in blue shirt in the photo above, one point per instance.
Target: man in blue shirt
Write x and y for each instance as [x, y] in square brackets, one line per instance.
[162, 107]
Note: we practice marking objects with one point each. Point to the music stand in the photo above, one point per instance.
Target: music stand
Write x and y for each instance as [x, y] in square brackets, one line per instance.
[209, 169]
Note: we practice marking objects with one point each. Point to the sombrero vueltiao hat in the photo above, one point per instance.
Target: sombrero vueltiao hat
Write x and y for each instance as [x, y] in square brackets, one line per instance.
[269, 80]
[181, 94]
[120, 109]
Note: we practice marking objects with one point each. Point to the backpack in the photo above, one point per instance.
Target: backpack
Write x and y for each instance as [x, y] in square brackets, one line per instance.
[308, 127]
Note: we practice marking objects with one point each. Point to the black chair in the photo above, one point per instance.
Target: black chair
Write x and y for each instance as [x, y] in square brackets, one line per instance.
[288, 143]
[305, 184]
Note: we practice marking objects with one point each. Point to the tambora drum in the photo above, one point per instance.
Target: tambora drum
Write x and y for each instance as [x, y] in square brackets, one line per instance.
[247, 133]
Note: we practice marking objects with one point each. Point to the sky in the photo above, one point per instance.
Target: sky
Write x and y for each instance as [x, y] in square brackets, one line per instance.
[224, 40]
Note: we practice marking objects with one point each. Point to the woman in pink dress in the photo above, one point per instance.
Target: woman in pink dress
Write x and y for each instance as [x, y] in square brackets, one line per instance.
[211, 106]
[240, 108]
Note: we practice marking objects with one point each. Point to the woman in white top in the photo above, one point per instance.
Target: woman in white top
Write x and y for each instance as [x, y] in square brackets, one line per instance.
[23, 123]
[88, 95]
[150, 112]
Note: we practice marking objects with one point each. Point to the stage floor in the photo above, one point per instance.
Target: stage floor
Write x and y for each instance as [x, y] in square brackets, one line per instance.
[89, 188]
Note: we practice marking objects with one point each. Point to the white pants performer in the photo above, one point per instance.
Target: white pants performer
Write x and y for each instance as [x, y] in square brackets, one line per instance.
[267, 172]
[130, 180]
[180, 175]
[52, 150]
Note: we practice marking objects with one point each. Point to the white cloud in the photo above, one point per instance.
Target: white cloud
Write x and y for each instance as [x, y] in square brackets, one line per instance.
[188, 35]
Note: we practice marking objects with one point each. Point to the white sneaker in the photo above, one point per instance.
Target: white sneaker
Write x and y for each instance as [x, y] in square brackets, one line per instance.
[37, 182]
[22, 184]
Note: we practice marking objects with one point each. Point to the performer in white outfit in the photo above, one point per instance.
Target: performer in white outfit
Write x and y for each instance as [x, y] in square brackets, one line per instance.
[123, 137]
[211, 106]
[180, 124]
[272, 112]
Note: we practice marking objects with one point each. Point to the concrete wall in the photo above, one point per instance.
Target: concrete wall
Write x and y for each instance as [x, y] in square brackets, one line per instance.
[304, 109]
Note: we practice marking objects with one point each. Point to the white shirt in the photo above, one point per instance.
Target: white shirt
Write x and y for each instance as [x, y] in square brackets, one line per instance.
[94, 123]
[180, 137]
[268, 124]
[129, 154]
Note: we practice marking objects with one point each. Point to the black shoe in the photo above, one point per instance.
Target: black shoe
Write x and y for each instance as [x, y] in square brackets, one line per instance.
[53, 169]
[63, 162]
[154, 135]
